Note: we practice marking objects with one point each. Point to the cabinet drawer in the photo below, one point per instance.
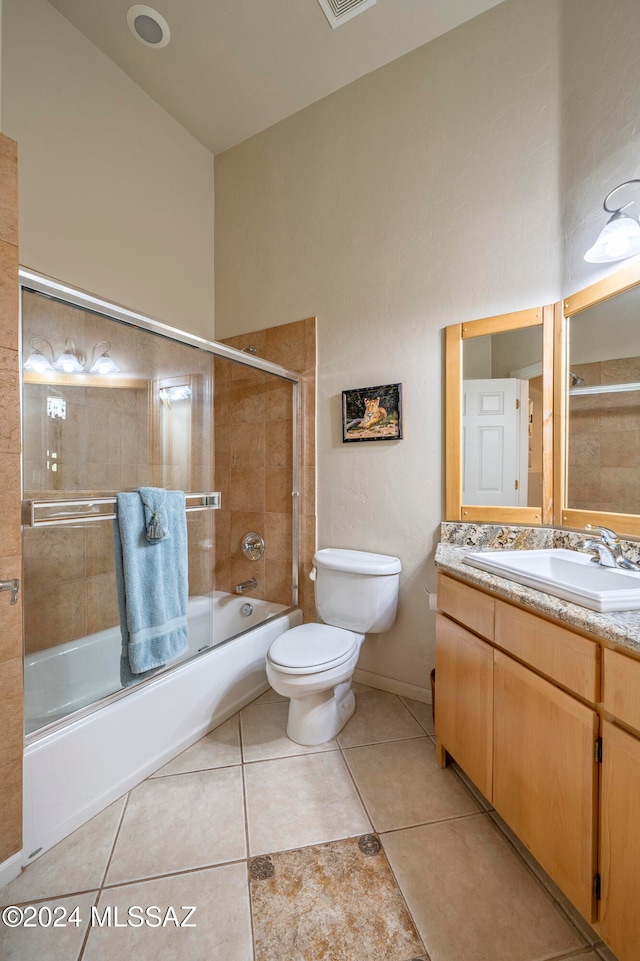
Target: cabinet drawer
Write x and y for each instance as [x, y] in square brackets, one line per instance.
[569, 659]
[622, 688]
[465, 604]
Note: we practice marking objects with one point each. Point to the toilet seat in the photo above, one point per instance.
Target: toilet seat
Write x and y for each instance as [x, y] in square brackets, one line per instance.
[312, 648]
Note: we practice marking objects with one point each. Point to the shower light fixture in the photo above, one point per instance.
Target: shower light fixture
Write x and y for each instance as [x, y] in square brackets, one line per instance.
[103, 364]
[620, 236]
[70, 361]
[36, 362]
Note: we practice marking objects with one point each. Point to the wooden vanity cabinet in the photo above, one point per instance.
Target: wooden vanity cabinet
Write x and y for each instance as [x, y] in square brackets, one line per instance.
[619, 913]
[464, 672]
[534, 742]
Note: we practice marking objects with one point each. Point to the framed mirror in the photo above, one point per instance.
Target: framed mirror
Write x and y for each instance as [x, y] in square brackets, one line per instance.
[499, 419]
[598, 404]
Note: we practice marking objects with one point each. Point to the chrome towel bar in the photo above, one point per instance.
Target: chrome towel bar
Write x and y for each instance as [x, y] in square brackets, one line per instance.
[88, 509]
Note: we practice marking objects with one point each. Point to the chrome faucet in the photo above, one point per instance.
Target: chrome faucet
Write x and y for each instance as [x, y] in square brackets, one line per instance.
[249, 585]
[608, 549]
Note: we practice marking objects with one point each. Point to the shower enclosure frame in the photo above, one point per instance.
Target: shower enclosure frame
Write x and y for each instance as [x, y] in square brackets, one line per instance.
[39, 283]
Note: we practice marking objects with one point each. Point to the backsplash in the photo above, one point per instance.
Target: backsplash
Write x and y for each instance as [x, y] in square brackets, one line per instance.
[505, 537]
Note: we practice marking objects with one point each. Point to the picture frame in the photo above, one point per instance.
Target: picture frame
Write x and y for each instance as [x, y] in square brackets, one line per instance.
[372, 413]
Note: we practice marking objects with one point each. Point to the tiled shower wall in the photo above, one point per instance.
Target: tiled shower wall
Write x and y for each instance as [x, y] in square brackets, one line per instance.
[604, 440]
[253, 456]
[11, 703]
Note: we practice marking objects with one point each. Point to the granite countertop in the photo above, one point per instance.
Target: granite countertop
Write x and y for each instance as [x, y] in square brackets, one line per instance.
[458, 539]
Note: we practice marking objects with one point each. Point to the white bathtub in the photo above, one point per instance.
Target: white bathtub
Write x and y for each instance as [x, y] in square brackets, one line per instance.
[73, 771]
[63, 679]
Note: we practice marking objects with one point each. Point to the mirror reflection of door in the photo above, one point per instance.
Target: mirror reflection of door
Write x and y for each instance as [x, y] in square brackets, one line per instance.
[502, 419]
[495, 442]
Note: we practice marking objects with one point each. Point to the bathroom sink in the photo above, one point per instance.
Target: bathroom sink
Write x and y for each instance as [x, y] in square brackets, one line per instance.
[566, 574]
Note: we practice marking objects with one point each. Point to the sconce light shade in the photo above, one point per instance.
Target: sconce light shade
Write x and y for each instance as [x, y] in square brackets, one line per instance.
[68, 363]
[103, 364]
[620, 237]
[36, 362]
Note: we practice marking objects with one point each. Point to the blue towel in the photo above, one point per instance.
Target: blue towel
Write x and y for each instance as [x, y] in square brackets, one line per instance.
[150, 543]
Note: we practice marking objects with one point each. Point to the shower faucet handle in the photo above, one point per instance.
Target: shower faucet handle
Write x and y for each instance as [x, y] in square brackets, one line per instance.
[13, 586]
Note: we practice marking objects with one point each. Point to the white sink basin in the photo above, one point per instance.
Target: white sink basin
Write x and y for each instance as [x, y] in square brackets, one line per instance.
[566, 574]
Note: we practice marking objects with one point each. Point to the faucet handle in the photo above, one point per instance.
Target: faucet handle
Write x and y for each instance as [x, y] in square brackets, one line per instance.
[608, 536]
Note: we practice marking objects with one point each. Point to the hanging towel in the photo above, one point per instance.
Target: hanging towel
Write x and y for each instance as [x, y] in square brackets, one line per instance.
[150, 544]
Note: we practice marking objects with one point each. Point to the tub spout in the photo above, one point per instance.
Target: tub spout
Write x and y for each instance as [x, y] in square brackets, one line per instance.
[249, 585]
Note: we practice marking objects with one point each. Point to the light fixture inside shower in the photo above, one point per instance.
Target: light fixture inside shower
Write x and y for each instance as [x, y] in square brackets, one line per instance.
[148, 26]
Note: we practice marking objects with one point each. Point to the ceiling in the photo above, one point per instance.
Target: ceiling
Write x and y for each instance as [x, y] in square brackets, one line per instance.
[235, 67]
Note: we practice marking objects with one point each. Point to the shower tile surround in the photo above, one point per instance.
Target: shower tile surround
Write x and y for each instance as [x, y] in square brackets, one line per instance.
[253, 455]
[11, 696]
[447, 882]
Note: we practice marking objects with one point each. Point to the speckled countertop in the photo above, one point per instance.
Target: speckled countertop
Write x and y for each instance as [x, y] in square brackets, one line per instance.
[458, 539]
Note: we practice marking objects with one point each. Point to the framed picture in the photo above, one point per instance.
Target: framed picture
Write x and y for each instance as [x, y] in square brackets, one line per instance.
[372, 413]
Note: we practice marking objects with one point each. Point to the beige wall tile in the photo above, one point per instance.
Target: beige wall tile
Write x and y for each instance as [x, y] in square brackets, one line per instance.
[8, 296]
[52, 555]
[285, 345]
[278, 530]
[99, 548]
[279, 443]
[247, 444]
[247, 401]
[102, 603]
[12, 740]
[9, 402]
[222, 520]
[310, 343]
[247, 489]
[10, 614]
[8, 190]
[278, 582]
[278, 490]
[278, 403]
[54, 614]
[10, 540]
[11, 810]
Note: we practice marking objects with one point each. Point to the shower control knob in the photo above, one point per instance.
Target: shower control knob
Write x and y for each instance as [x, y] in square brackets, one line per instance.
[13, 586]
[252, 546]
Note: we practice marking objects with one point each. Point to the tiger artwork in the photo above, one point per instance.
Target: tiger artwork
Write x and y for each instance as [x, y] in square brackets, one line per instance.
[374, 413]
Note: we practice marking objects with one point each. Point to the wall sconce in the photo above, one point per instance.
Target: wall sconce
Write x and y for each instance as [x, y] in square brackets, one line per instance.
[70, 361]
[103, 364]
[36, 362]
[620, 236]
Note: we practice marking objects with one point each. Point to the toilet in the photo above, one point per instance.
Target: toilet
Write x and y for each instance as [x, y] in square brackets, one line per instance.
[356, 593]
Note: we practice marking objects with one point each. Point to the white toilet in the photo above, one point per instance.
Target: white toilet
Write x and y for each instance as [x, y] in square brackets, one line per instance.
[356, 594]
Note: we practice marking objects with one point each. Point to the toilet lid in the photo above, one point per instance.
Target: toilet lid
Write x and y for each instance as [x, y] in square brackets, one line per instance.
[313, 647]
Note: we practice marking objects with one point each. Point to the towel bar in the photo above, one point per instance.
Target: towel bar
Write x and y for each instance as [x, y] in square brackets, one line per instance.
[210, 500]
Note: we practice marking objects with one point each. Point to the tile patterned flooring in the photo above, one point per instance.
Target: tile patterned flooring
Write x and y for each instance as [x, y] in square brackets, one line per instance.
[261, 836]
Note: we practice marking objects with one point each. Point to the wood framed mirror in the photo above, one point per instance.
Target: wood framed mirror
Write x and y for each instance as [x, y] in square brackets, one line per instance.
[499, 418]
[597, 402]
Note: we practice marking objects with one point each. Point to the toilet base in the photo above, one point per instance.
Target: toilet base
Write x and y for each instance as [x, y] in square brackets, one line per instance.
[317, 718]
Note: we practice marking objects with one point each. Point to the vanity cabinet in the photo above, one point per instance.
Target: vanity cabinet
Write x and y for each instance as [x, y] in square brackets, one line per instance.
[507, 712]
[620, 808]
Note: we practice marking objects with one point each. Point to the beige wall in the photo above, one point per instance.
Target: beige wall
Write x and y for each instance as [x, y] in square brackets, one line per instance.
[422, 195]
[598, 123]
[115, 196]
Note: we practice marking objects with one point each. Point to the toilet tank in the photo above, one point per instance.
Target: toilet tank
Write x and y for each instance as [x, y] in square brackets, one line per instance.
[356, 590]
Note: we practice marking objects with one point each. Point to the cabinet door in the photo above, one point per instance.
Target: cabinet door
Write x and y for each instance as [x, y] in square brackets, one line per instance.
[620, 842]
[464, 700]
[545, 776]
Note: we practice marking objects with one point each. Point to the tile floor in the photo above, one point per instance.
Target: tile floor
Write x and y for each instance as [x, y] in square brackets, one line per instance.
[262, 836]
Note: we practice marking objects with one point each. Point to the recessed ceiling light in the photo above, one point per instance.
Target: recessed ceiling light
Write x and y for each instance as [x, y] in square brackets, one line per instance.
[148, 26]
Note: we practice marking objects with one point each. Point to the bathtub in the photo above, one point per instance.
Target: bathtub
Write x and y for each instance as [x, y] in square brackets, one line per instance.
[75, 769]
[69, 677]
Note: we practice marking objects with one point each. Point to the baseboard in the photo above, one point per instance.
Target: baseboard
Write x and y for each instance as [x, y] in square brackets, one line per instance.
[10, 869]
[392, 685]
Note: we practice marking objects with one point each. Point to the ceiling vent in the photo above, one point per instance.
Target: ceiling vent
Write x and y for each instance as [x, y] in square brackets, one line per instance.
[338, 12]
